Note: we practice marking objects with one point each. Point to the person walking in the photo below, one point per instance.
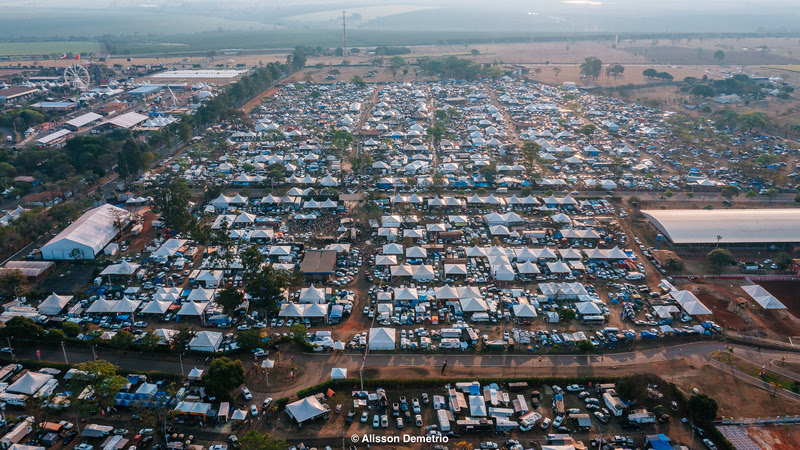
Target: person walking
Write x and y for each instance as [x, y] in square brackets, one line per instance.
[444, 366]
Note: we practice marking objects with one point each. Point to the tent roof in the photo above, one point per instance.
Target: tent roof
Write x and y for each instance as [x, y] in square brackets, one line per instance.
[305, 409]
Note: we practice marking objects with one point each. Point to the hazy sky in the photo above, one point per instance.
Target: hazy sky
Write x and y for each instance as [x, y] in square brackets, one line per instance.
[513, 16]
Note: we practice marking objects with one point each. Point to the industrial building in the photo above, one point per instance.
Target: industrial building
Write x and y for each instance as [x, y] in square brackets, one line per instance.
[88, 235]
[772, 229]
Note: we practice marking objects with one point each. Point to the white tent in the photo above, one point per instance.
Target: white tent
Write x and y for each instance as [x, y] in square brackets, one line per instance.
[305, 409]
[588, 309]
[763, 297]
[123, 268]
[524, 310]
[195, 374]
[206, 341]
[312, 294]
[54, 304]
[85, 237]
[382, 338]
[338, 373]
[473, 305]
[29, 383]
[156, 307]
[193, 309]
[690, 303]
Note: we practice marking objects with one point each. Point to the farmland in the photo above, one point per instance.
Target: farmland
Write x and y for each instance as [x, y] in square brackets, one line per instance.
[48, 47]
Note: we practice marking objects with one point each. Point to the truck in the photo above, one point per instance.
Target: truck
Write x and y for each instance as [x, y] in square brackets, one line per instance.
[444, 416]
[558, 405]
[642, 416]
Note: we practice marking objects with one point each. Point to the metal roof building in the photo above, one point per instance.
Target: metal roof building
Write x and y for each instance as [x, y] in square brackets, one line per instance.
[87, 236]
[727, 227]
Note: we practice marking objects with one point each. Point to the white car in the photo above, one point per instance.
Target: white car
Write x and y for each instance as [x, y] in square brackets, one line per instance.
[84, 447]
[246, 393]
[546, 423]
[575, 388]
[254, 410]
[488, 444]
[558, 421]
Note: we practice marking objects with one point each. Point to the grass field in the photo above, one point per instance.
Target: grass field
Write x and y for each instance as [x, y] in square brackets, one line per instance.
[754, 371]
[366, 13]
[48, 47]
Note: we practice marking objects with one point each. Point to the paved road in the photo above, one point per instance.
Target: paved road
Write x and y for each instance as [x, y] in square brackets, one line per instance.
[316, 367]
[131, 360]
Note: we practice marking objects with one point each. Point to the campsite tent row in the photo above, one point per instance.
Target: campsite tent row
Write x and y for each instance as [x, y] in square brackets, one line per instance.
[303, 311]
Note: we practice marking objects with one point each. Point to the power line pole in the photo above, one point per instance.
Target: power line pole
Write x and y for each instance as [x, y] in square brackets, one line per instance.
[65, 352]
[344, 37]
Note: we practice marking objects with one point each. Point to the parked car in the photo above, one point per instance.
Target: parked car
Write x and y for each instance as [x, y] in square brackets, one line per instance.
[246, 393]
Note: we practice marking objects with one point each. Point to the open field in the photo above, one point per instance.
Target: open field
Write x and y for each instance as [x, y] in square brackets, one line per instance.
[48, 47]
[365, 13]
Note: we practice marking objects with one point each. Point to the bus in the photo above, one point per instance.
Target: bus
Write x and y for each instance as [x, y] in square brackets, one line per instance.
[593, 320]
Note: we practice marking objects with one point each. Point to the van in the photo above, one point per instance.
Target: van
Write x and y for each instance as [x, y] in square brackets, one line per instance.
[634, 276]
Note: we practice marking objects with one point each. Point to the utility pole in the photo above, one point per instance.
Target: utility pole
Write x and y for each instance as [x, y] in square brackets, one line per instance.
[344, 37]
[180, 357]
[64, 350]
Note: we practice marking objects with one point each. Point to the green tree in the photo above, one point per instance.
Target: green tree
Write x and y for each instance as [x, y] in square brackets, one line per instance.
[267, 287]
[172, 199]
[358, 81]
[55, 335]
[650, 73]
[223, 375]
[181, 339]
[299, 331]
[435, 133]
[719, 55]
[526, 191]
[703, 90]
[567, 314]
[783, 261]
[22, 327]
[254, 440]
[585, 346]
[752, 120]
[101, 378]
[341, 140]
[591, 67]
[588, 129]
[729, 191]
[719, 258]
[751, 194]
[668, 193]
[771, 193]
[395, 63]
[150, 342]
[615, 70]
[230, 298]
[702, 408]
[11, 282]
[475, 52]
[122, 340]
[674, 265]
[249, 339]
[530, 154]
[71, 329]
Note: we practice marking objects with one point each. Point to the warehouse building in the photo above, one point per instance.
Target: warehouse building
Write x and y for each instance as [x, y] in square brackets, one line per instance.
[16, 94]
[318, 264]
[88, 235]
[769, 229]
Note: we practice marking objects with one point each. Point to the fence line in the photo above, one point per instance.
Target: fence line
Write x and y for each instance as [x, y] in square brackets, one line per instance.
[755, 381]
[748, 421]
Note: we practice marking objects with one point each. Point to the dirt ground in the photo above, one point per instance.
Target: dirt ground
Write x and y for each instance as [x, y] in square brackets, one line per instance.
[788, 292]
[775, 437]
[734, 397]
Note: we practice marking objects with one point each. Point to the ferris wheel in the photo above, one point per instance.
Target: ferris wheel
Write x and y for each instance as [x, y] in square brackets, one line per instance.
[77, 76]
